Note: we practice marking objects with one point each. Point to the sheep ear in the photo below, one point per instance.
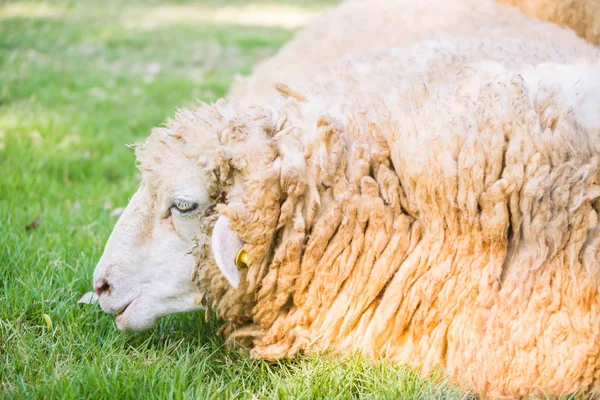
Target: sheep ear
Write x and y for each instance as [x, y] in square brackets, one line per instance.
[226, 244]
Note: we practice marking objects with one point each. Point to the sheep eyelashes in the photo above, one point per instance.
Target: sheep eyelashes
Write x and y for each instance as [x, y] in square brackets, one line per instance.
[227, 249]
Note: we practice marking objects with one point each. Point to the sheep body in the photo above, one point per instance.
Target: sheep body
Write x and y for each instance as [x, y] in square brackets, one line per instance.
[435, 204]
[359, 26]
[583, 16]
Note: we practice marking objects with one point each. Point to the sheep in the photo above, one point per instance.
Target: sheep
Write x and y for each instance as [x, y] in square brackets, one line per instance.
[583, 16]
[360, 25]
[436, 205]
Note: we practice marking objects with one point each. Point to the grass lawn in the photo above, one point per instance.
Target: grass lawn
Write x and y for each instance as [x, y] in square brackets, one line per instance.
[78, 81]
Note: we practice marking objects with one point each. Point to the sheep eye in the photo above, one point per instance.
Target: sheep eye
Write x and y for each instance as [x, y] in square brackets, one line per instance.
[184, 206]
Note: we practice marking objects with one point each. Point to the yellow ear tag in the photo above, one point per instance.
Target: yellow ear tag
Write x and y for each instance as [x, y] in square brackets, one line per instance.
[241, 259]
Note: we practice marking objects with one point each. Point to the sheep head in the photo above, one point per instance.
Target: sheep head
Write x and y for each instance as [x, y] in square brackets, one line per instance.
[202, 165]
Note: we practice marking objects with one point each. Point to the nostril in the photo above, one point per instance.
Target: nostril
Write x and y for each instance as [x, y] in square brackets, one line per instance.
[101, 286]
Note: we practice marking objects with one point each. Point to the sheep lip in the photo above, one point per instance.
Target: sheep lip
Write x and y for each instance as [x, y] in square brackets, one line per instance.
[121, 311]
[122, 317]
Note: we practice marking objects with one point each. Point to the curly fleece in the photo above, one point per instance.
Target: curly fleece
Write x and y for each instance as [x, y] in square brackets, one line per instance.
[436, 205]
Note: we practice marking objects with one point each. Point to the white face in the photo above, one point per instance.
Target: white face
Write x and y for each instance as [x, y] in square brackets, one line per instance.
[146, 269]
[162, 238]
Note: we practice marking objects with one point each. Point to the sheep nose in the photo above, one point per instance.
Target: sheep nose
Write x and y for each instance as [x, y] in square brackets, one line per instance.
[101, 286]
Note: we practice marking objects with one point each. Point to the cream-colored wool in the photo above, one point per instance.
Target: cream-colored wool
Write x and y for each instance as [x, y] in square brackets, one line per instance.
[435, 205]
[372, 25]
[583, 16]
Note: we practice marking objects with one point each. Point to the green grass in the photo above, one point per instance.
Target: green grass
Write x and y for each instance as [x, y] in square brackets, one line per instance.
[78, 81]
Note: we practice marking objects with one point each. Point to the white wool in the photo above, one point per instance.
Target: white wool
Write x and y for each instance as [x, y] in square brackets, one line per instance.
[579, 83]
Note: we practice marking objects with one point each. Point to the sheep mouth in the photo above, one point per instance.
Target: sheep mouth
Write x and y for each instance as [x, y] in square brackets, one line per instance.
[121, 311]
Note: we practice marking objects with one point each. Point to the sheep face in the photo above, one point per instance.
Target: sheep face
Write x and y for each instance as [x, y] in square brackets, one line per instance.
[145, 270]
[159, 259]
